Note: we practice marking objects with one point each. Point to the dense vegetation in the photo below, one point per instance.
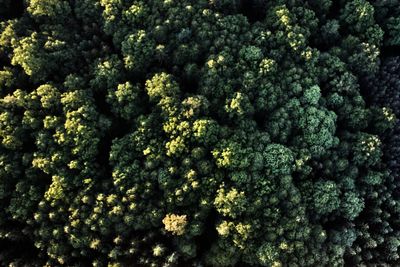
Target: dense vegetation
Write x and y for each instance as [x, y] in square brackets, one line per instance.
[199, 132]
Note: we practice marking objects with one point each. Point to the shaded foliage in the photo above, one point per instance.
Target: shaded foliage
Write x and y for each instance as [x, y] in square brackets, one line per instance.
[192, 133]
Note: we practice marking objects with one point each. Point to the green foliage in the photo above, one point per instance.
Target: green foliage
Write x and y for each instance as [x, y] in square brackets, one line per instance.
[161, 86]
[387, 14]
[138, 50]
[367, 149]
[326, 197]
[125, 100]
[358, 15]
[278, 159]
[351, 205]
[49, 8]
[267, 255]
[192, 133]
[231, 203]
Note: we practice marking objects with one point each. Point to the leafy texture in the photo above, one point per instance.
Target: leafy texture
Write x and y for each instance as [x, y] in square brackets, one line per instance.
[196, 133]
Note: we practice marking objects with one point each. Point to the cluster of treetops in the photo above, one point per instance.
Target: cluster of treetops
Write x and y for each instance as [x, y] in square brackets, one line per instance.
[199, 133]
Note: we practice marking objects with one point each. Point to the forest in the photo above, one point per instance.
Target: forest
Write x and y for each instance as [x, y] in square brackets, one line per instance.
[199, 133]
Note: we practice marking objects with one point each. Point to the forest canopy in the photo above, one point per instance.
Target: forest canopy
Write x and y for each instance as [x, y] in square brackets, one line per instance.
[199, 133]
